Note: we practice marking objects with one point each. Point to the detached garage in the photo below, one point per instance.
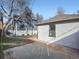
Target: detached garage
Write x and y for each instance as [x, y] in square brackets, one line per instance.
[59, 27]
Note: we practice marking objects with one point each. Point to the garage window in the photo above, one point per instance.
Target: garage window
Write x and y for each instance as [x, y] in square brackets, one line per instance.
[52, 30]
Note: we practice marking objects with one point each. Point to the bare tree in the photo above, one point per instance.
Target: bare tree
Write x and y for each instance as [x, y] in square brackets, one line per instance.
[77, 11]
[39, 17]
[10, 7]
[60, 11]
[28, 15]
[1, 34]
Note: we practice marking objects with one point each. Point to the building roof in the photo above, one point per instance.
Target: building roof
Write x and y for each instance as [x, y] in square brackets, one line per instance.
[61, 18]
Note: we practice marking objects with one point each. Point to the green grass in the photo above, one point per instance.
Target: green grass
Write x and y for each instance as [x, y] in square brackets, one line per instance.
[4, 47]
[10, 40]
[13, 40]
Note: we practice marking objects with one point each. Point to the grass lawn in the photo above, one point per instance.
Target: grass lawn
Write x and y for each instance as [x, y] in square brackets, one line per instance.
[13, 40]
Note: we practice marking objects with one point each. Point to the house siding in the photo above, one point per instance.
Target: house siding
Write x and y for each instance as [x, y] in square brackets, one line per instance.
[67, 34]
[64, 28]
[43, 33]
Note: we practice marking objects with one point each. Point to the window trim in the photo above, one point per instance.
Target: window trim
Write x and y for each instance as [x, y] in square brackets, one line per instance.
[50, 29]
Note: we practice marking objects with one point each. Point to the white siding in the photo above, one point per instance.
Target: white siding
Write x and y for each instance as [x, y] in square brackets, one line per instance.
[64, 28]
[43, 33]
[18, 32]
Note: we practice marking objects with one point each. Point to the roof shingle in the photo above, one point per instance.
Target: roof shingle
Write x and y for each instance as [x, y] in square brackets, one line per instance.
[58, 18]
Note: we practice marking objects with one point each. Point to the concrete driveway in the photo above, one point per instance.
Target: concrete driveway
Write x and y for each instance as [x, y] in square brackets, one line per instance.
[38, 50]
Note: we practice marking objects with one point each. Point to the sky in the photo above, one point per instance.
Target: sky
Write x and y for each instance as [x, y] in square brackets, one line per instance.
[48, 8]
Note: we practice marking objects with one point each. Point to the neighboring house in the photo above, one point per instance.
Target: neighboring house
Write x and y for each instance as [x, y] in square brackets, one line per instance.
[61, 29]
[20, 27]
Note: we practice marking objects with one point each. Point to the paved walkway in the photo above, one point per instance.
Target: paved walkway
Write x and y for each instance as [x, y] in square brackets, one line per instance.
[38, 50]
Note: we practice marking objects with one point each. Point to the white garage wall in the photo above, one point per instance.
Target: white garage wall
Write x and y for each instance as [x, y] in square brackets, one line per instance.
[43, 33]
[64, 28]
